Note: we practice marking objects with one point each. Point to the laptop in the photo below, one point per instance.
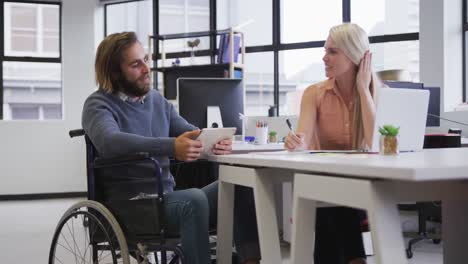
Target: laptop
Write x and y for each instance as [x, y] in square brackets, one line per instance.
[406, 108]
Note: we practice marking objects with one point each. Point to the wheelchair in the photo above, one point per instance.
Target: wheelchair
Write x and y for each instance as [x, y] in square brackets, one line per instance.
[100, 230]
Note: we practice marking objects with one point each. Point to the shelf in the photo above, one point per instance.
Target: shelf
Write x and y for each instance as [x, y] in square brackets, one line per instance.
[233, 70]
[191, 34]
[200, 66]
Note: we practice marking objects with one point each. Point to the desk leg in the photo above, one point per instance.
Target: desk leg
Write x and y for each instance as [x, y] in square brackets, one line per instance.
[261, 180]
[384, 221]
[303, 231]
[378, 198]
[266, 218]
[454, 231]
[225, 222]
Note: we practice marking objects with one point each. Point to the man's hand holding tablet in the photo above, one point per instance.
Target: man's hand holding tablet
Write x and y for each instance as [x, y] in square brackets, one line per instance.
[217, 140]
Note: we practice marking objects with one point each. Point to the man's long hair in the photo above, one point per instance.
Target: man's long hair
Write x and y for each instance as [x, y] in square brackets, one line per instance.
[109, 56]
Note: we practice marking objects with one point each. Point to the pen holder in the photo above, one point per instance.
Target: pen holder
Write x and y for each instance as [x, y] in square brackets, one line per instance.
[261, 135]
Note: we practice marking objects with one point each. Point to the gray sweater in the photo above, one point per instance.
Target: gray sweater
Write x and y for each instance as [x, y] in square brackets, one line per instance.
[117, 127]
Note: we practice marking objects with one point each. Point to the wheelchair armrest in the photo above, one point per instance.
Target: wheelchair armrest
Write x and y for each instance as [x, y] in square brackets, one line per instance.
[122, 160]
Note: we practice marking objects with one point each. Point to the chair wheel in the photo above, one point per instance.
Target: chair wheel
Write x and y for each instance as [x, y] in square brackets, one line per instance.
[409, 253]
[88, 233]
[436, 241]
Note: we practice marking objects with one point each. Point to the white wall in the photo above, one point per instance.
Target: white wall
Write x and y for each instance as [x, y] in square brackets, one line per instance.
[39, 157]
[441, 56]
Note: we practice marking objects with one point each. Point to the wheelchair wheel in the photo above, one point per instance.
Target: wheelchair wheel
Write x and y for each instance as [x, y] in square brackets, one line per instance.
[88, 233]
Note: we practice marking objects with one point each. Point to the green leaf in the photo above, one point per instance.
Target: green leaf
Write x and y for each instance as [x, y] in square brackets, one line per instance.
[383, 131]
[389, 130]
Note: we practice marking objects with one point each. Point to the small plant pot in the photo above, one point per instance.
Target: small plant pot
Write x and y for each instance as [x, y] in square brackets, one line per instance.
[389, 145]
[272, 139]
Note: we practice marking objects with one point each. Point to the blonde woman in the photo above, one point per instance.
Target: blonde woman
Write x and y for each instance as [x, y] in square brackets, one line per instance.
[339, 114]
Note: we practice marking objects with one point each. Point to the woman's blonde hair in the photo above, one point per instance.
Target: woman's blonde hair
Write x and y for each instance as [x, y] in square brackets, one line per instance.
[354, 42]
[109, 56]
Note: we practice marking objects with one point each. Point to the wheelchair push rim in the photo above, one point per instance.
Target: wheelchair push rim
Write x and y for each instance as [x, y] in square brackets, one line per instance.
[88, 233]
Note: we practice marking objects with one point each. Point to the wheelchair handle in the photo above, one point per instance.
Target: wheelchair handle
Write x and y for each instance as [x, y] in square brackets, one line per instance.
[76, 133]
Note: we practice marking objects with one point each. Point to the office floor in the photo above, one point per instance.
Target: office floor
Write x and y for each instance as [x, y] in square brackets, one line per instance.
[26, 229]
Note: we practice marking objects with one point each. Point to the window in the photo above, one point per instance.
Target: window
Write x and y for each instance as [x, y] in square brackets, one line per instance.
[184, 16]
[284, 39]
[298, 70]
[397, 55]
[465, 49]
[392, 27]
[256, 16]
[302, 21]
[30, 62]
[387, 17]
[130, 16]
[258, 79]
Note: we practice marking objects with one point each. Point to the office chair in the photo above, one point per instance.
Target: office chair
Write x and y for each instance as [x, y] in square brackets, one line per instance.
[429, 211]
[106, 230]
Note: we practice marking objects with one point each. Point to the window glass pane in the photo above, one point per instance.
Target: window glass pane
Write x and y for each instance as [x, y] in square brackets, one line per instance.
[298, 70]
[31, 29]
[305, 20]
[32, 85]
[23, 19]
[397, 55]
[24, 112]
[387, 16]
[257, 14]
[466, 67]
[51, 29]
[258, 79]
[52, 111]
[183, 16]
[132, 16]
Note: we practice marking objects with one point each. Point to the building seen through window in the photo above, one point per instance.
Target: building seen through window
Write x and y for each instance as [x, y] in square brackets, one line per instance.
[32, 84]
[301, 21]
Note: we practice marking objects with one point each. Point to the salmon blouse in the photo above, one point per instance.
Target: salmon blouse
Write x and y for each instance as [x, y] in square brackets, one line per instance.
[334, 117]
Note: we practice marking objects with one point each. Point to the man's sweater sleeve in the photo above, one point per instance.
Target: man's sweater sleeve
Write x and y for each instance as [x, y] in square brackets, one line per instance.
[103, 130]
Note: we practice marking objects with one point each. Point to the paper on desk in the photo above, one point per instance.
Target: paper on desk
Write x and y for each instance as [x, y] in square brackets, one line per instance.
[355, 153]
[280, 152]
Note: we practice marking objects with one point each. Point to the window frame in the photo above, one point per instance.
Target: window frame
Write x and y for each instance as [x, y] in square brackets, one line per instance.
[276, 45]
[464, 51]
[4, 58]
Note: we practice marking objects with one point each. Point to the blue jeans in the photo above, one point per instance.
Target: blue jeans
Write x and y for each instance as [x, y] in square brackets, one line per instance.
[191, 212]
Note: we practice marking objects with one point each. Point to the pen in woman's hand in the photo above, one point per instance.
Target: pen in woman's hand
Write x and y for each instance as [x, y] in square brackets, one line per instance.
[290, 126]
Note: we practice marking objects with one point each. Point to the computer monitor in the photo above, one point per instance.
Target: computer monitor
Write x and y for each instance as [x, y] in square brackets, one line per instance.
[434, 99]
[194, 95]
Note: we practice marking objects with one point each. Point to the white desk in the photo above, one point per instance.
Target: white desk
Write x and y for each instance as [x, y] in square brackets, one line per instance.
[376, 183]
[244, 147]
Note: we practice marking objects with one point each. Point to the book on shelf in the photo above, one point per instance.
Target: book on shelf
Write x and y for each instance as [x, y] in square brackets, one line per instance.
[224, 46]
[237, 74]
[221, 47]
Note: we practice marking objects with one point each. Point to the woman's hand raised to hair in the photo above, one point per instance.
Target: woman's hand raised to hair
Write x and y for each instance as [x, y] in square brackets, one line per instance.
[364, 74]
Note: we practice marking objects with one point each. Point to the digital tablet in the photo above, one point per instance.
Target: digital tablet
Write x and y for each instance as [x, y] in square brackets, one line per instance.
[210, 136]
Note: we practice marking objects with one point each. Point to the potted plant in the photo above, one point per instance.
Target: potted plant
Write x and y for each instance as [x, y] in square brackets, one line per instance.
[389, 140]
[272, 137]
[193, 44]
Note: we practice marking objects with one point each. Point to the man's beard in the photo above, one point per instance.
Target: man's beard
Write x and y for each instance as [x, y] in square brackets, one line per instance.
[132, 88]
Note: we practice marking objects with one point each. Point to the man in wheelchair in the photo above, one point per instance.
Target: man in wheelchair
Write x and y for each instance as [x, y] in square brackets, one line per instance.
[126, 116]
